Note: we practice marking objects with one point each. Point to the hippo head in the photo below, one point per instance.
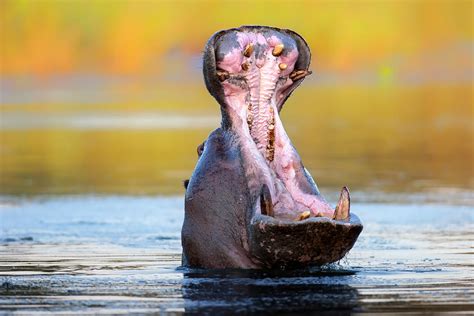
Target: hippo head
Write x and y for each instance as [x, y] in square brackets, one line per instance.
[250, 202]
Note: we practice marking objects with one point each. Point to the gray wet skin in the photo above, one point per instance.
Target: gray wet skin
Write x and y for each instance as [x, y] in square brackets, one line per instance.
[250, 202]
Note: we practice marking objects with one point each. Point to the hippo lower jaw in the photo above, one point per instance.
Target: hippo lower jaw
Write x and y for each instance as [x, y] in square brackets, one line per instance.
[277, 216]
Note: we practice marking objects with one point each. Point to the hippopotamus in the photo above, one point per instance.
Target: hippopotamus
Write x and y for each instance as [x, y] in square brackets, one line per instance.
[250, 203]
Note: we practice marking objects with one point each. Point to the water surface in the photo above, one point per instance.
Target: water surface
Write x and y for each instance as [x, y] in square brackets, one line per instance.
[91, 202]
[114, 254]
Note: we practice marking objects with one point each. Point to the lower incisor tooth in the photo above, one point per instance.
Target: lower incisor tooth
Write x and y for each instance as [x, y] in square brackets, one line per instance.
[304, 215]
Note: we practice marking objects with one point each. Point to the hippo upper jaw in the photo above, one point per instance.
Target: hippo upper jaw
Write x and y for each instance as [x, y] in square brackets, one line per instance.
[276, 215]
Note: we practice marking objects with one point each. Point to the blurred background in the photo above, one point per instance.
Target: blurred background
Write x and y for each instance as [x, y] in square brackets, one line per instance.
[107, 97]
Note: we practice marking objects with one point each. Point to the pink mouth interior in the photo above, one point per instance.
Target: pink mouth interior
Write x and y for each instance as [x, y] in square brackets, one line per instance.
[257, 82]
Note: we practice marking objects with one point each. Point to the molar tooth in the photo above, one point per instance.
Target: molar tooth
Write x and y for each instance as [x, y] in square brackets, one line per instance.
[295, 73]
[222, 75]
[304, 215]
[248, 50]
[270, 153]
[298, 74]
[249, 116]
[342, 211]
[266, 205]
[278, 50]
[282, 66]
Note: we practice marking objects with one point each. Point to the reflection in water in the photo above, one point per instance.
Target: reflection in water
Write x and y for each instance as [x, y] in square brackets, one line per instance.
[123, 254]
[268, 292]
[404, 139]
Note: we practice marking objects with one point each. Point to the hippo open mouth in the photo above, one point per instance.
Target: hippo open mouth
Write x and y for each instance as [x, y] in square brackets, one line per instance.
[250, 202]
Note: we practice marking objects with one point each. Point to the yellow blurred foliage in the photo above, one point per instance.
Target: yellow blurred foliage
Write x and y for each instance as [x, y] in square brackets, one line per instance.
[133, 37]
[389, 106]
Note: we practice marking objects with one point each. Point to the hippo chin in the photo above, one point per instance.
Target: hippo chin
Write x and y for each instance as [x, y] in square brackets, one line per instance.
[250, 202]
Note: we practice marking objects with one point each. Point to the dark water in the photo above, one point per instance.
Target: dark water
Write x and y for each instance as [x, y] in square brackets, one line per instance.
[113, 254]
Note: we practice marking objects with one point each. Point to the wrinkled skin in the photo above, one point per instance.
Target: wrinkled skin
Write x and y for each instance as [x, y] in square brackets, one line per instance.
[250, 202]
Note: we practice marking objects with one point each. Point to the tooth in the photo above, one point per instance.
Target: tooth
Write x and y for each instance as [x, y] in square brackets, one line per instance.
[248, 50]
[249, 116]
[343, 207]
[278, 50]
[249, 119]
[266, 205]
[270, 153]
[245, 66]
[282, 66]
[298, 74]
[222, 75]
[303, 215]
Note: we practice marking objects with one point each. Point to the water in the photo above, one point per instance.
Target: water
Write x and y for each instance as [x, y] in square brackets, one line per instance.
[388, 139]
[91, 201]
[111, 254]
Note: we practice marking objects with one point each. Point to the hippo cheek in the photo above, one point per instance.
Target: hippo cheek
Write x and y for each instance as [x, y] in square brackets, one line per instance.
[316, 240]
